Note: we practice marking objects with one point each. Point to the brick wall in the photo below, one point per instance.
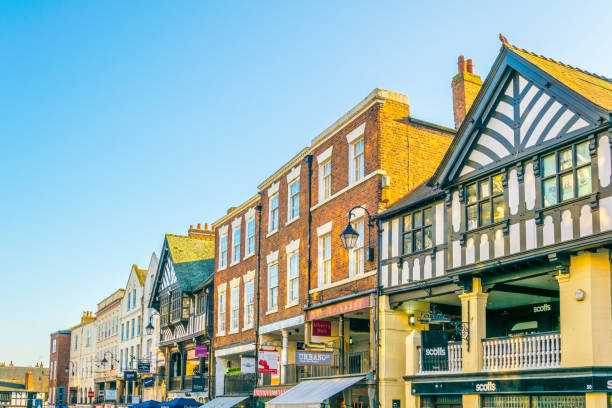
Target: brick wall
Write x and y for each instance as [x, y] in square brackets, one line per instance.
[61, 359]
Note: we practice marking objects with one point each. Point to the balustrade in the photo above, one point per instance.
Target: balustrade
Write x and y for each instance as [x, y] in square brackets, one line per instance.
[542, 350]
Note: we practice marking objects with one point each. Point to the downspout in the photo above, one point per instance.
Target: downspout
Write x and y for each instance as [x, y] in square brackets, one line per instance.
[258, 273]
[379, 232]
[308, 230]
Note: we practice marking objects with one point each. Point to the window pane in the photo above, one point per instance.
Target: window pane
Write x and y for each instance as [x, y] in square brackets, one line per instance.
[567, 186]
[408, 222]
[472, 217]
[485, 213]
[550, 192]
[418, 219]
[565, 159]
[548, 165]
[583, 178]
[472, 194]
[418, 240]
[498, 187]
[407, 243]
[427, 237]
[499, 209]
[428, 216]
[582, 154]
[485, 190]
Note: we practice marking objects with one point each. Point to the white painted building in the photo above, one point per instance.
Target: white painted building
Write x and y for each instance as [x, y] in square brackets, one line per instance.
[82, 361]
[150, 342]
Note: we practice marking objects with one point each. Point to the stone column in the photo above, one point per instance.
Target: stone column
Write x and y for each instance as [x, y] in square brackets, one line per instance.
[596, 400]
[473, 312]
[585, 303]
[284, 356]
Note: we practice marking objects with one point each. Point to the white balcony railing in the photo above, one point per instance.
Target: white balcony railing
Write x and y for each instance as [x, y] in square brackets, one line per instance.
[542, 350]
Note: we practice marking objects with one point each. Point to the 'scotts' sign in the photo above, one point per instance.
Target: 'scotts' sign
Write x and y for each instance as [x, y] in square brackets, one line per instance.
[435, 350]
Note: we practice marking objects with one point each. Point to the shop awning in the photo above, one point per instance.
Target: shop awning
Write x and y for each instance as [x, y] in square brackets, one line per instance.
[311, 393]
[223, 402]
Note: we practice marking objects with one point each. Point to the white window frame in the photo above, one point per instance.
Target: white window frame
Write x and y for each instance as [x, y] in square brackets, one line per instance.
[357, 254]
[223, 252]
[272, 292]
[290, 204]
[236, 243]
[273, 213]
[356, 162]
[325, 187]
[324, 273]
[234, 309]
[292, 301]
[221, 309]
[249, 250]
[249, 308]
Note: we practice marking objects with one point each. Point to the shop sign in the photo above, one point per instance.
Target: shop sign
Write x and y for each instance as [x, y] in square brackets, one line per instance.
[435, 350]
[319, 358]
[545, 307]
[130, 376]
[148, 382]
[488, 386]
[321, 328]
[339, 308]
[111, 395]
[197, 384]
[144, 366]
[247, 365]
[267, 392]
[90, 394]
[268, 362]
[201, 351]
[101, 393]
[135, 399]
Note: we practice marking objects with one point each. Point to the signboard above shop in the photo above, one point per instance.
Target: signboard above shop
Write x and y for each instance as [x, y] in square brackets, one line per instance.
[201, 351]
[144, 367]
[318, 358]
[339, 308]
[130, 376]
[321, 328]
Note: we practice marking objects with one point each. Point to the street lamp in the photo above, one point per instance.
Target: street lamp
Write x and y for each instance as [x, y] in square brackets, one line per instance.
[350, 236]
[150, 328]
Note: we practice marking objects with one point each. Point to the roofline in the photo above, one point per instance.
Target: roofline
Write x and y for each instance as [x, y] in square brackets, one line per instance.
[388, 214]
[431, 125]
[236, 210]
[93, 320]
[377, 95]
[110, 296]
[286, 167]
[60, 332]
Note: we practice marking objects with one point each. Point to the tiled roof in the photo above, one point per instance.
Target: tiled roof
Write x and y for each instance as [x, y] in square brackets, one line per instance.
[419, 195]
[595, 88]
[141, 274]
[13, 378]
[193, 259]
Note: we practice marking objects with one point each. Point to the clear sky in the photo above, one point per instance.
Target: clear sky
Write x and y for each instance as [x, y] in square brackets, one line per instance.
[124, 120]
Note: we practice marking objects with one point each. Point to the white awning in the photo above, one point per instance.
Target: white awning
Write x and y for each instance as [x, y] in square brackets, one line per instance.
[311, 393]
[223, 402]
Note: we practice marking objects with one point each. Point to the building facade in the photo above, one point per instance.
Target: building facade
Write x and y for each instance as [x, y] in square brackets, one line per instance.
[82, 361]
[23, 387]
[182, 295]
[496, 272]
[59, 360]
[106, 377]
[151, 383]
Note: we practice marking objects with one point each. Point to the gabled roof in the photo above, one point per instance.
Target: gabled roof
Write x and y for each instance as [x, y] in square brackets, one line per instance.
[141, 274]
[187, 249]
[583, 98]
[596, 88]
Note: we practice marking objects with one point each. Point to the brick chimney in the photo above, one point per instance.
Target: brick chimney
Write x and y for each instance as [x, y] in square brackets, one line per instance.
[29, 381]
[200, 233]
[466, 86]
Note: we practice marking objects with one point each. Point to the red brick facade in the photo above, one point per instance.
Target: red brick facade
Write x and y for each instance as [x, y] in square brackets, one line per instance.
[59, 359]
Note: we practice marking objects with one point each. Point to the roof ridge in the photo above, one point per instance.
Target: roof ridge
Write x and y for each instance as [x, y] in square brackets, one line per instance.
[505, 43]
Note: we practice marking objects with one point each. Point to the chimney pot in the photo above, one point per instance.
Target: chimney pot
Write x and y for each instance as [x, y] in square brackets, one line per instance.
[470, 66]
[191, 227]
[199, 226]
[461, 64]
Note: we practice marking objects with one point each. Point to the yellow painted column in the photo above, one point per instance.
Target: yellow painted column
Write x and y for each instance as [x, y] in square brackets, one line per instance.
[585, 303]
[394, 327]
[473, 311]
[471, 401]
[596, 400]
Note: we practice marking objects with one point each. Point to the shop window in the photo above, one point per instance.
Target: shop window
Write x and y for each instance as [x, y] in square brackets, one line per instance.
[485, 202]
[566, 174]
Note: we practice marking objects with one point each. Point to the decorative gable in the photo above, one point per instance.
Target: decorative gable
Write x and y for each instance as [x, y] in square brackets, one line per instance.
[169, 276]
[525, 115]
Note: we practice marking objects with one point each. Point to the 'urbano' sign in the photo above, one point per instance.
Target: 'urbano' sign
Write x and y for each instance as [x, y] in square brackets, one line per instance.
[320, 358]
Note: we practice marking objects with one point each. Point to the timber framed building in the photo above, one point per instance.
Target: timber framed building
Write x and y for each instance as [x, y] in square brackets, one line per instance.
[496, 275]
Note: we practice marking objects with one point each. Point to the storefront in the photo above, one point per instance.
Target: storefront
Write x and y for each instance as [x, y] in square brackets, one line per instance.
[331, 392]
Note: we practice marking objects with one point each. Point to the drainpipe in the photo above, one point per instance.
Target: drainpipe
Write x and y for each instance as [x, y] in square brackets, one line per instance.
[257, 295]
[379, 232]
[308, 229]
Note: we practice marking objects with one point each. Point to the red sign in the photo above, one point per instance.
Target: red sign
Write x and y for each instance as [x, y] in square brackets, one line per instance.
[266, 392]
[201, 351]
[90, 394]
[339, 308]
[268, 362]
[101, 393]
[321, 328]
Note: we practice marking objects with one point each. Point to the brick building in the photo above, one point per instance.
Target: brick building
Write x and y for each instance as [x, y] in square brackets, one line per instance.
[59, 360]
[369, 158]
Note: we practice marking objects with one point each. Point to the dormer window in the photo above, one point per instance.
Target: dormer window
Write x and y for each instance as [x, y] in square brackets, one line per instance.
[485, 202]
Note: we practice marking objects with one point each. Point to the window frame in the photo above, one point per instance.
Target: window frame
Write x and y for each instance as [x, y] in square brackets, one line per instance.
[273, 211]
[250, 239]
[249, 307]
[293, 208]
[413, 231]
[325, 188]
[324, 277]
[223, 250]
[357, 253]
[480, 201]
[291, 300]
[234, 309]
[357, 160]
[272, 291]
[559, 174]
[222, 305]
[236, 246]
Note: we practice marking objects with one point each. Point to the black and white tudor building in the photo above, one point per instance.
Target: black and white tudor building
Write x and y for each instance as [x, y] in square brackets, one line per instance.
[498, 268]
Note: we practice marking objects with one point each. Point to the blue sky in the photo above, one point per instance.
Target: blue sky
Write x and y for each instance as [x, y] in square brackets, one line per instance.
[121, 121]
